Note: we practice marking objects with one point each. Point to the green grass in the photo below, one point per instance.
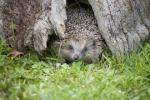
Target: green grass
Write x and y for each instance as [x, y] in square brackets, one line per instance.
[29, 78]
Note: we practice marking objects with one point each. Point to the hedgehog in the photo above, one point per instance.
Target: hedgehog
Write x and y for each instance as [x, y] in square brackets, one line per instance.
[83, 40]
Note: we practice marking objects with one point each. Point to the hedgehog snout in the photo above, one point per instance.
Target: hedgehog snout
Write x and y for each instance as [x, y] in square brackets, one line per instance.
[76, 56]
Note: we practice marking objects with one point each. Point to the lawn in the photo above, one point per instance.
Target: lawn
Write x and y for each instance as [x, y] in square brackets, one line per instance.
[31, 78]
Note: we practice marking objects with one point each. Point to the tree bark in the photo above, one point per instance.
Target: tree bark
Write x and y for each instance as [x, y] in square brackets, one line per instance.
[123, 23]
[32, 21]
[1, 19]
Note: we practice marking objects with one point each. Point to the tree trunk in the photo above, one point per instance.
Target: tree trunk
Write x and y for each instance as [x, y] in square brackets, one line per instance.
[123, 23]
[31, 21]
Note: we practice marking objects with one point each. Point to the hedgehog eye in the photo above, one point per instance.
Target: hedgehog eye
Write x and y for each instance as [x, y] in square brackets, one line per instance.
[85, 49]
[70, 47]
[94, 43]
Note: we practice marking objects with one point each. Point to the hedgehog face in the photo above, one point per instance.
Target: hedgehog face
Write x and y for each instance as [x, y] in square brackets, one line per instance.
[74, 50]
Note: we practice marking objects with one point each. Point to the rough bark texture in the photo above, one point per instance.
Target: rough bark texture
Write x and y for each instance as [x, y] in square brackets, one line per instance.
[31, 21]
[1, 19]
[51, 21]
[18, 18]
[123, 23]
